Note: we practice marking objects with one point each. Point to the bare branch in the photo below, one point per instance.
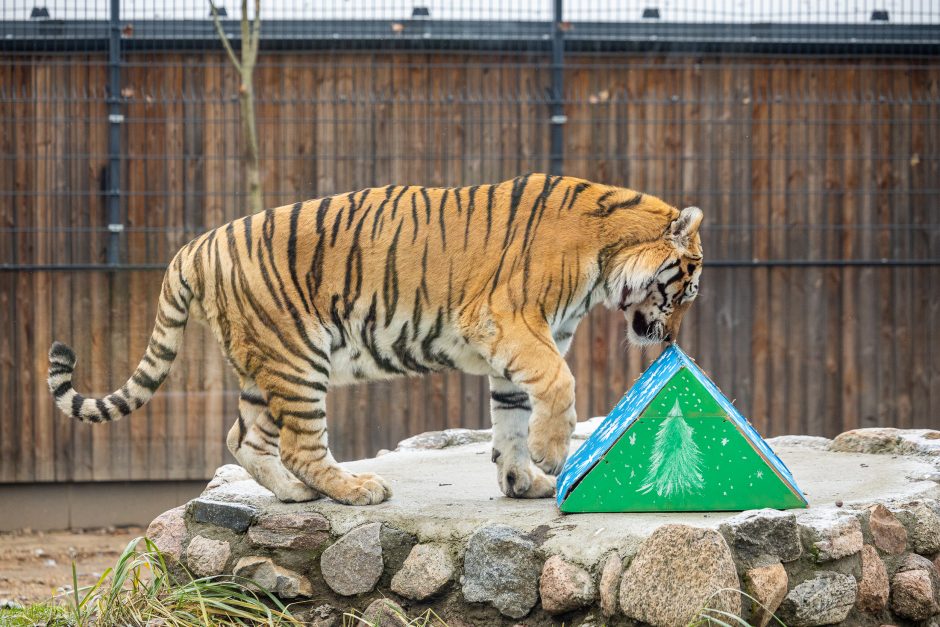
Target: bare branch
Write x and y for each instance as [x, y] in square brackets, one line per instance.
[246, 38]
[225, 42]
[256, 32]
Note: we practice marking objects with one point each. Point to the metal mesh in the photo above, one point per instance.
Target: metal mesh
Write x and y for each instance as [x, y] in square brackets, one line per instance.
[809, 133]
[352, 94]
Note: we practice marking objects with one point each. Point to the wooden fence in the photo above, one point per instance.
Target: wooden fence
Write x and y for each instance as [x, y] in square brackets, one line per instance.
[796, 162]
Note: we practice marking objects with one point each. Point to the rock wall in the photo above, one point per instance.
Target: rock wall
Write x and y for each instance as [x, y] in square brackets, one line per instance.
[860, 563]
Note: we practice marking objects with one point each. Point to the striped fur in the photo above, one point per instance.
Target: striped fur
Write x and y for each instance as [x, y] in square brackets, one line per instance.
[401, 281]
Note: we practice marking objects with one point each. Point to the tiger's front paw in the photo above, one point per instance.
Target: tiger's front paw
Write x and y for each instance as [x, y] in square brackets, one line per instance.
[548, 443]
[525, 481]
[363, 489]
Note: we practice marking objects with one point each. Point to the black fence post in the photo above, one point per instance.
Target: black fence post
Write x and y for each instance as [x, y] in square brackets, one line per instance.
[558, 119]
[115, 120]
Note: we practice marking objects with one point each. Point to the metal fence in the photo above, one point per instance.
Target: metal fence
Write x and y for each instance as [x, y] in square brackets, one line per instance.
[808, 132]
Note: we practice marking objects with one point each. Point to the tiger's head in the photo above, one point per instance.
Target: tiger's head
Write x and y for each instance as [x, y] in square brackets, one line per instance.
[658, 280]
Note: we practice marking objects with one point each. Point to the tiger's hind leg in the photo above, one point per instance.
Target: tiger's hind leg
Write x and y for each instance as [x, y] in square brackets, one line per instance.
[254, 441]
[298, 405]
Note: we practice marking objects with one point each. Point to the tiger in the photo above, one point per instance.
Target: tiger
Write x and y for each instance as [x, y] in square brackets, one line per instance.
[399, 281]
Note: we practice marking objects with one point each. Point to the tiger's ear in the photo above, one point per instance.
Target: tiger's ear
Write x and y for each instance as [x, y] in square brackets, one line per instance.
[685, 227]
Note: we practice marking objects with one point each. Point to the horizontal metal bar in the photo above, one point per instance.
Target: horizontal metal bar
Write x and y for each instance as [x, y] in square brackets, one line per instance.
[777, 38]
[822, 263]
[718, 263]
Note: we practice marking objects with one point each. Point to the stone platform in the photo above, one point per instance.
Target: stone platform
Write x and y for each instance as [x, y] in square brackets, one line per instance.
[866, 552]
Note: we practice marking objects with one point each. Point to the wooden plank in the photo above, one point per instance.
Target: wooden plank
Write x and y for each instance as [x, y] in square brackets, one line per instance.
[902, 302]
[923, 142]
[867, 292]
[726, 174]
[849, 144]
[49, 149]
[760, 249]
[793, 184]
[25, 186]
[930, 414]
[779, 277]
[838, 88]
[9, 77]
[489, 121]
[739, 379]
[814, 341]
[67, 182]
[467, 77]
[886, 178]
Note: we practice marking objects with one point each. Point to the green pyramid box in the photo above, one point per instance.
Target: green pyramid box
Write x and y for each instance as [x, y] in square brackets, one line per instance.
[675, 443]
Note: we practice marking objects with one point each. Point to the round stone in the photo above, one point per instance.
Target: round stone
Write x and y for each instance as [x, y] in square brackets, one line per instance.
[425, 572]
[207, 557]
[168, 531]
[564, 586]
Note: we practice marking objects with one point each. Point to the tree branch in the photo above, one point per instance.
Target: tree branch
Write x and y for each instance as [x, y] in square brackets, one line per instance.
[225, 42]
[256, 32]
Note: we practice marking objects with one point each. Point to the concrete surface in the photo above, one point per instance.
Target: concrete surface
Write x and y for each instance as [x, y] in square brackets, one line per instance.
[443, 495]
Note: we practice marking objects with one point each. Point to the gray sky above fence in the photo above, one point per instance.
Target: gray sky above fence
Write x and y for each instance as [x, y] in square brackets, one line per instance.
[684, 11]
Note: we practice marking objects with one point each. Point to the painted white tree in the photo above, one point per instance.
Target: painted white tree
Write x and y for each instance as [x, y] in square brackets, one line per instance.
[676, 463]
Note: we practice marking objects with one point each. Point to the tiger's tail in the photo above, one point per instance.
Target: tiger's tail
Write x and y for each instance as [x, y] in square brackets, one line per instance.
[151, 372]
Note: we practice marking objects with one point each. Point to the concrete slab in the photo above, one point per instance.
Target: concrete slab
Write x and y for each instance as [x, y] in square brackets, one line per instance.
[445, 494]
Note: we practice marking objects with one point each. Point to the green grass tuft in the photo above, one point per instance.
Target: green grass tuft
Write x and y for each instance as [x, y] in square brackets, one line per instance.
[140, 588]
[38, 614]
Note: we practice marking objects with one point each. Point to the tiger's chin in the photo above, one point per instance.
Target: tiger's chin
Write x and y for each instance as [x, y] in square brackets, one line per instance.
[642, 332]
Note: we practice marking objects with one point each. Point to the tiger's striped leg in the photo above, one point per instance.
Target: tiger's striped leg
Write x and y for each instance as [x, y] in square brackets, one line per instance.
[299, 407]
[510, 411]
[253, 440]
[527, 354]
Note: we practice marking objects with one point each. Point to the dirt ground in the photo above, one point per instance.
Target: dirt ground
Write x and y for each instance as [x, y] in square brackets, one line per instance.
[36, 565]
